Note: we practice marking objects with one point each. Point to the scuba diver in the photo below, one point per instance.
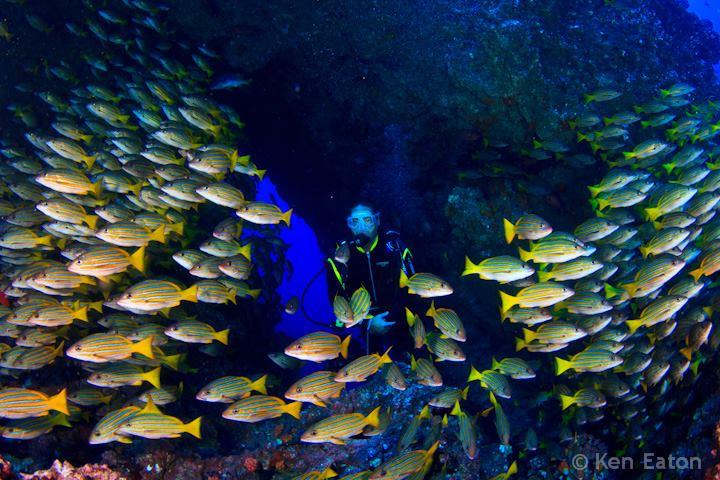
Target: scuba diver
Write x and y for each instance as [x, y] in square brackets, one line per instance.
[372, 259]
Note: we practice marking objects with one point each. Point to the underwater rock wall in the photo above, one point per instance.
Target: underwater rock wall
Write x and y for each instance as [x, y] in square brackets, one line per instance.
[450, 74]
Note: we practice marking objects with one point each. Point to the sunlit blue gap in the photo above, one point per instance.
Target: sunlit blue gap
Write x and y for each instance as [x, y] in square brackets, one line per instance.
[708, 10]
[307, 259]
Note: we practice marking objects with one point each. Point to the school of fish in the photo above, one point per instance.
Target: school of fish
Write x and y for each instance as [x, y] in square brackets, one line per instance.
[105, 190]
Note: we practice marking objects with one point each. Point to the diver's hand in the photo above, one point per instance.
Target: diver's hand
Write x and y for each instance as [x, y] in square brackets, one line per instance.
[379, 325]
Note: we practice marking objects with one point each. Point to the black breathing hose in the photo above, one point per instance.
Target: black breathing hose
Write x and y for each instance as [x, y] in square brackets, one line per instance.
[302, 299]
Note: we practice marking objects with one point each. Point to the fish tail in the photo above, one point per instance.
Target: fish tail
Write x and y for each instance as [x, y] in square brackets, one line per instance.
[669, 167]
[344, 346]
[607, 120]
[328, 473]
[285, 217]
[686, 352]
[696, 274]
[633, 325]
[178, 228]
[525, 256]
[403, 279]
[242, 160]
[594, 190]
[81, 314]
[537, 144]
[173, 361]
[456, 410]
[97, 188]
[470, 267]
[59, 402]
[89, 160]
[137, 259]
[581, 137]
[431, 451]
[190, 294]
[255, 293]
[260, 173]
[58, 352]
[544, 276]
[410, 317]
[644, 251]
[385, 358]
[519, 344]
[97, 306]
[645, 123]
[664, 92]
[259, 385]
[413, 362]
[630, 288]
[509, 229]
[46, 240]
[231, 294]
[652, 213]
[91, 221]
[494, 364]
[628, 155]
[507, 301]
[464, 392]
[567, 401]
[512, 470]
[588, 98]
[529, 335]
[373, 418]
[136, 188]
[245, 250]
[153, 377]
[193, 428]
[144, 347]
[222, 336]
[474, 374]
[86, 138]
[562, 365]
[431, 311]
[62, 420]
[158, 234]
[293, 409]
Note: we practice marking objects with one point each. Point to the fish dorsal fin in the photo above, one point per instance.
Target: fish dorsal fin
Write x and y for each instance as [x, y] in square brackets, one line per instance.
[149, 407]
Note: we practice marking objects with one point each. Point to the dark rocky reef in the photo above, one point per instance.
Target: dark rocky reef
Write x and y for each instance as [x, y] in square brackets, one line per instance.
[441, 77]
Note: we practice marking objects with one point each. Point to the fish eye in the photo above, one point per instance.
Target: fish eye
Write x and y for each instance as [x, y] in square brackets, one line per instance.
[235, 410]
[298, 346]
[298, 390]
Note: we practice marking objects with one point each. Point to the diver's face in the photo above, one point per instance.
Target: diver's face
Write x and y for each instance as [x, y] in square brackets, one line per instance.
[363, 223]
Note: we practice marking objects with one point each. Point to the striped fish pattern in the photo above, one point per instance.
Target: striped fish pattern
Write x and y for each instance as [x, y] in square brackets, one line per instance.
[318, 346]
[405, 464]
[337, 429]
[362, 367]
[105, 260]
[108, 347]
[106, 430]
[448, 322]
[130, 234]
[257, 408]
[425, 372]
[222, 194]
[153, 295]
[18, 403]
[124, 374]
[231, 389]
[262, 213]
[315, 388]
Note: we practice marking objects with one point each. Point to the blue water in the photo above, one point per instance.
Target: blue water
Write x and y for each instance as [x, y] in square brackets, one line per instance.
[307, 259]
[707, 9]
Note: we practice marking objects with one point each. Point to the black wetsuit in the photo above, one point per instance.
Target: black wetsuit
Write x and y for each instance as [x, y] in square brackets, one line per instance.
[377, 268]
